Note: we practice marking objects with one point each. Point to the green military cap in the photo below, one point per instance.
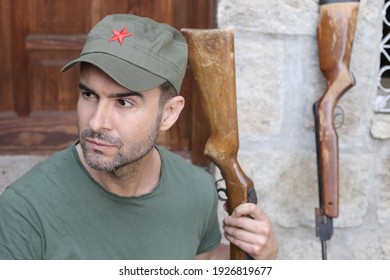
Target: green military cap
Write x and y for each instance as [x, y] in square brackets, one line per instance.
[136, 52]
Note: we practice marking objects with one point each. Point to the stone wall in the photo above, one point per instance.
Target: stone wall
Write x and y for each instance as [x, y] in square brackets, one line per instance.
[278, 80]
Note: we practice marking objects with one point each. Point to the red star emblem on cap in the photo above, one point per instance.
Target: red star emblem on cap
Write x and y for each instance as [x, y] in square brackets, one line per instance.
[120, 35]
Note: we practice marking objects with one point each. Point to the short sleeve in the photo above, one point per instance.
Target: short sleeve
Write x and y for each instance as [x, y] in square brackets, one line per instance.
[212, 234]
[20, 236]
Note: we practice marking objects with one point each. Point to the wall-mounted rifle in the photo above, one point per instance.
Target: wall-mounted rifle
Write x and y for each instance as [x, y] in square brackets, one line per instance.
[211, 58]
[336, 31]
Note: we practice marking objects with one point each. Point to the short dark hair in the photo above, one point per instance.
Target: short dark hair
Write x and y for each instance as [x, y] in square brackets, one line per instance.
[168, 91]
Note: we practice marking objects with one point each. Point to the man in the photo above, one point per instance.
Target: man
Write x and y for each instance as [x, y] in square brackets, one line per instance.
[114, 194]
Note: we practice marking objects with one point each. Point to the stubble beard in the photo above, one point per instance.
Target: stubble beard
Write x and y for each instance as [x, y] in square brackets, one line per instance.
[129, 154]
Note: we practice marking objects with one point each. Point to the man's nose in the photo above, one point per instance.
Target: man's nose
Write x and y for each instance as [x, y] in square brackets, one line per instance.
[101, 118]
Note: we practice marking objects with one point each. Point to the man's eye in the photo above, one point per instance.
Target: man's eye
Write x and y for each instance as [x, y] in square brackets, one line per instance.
[87, 94]
[124, 103]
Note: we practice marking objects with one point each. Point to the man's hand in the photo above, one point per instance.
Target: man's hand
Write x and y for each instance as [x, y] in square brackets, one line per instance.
[250, 229]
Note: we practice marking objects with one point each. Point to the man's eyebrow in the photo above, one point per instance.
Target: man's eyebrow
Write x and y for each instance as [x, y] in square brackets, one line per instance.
[113, 95]
[85, 88]
[126, 94]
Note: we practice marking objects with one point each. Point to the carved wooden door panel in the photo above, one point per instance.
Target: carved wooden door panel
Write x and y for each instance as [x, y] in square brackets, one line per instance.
[38, 102]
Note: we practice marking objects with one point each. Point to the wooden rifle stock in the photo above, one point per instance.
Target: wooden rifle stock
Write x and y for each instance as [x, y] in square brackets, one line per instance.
[335, 37]
[211, 58]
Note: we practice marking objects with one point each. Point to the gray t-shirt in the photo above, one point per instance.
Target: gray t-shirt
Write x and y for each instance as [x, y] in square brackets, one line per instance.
[57, 211]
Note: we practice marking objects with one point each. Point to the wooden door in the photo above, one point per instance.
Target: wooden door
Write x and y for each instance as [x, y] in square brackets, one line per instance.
[38, 102]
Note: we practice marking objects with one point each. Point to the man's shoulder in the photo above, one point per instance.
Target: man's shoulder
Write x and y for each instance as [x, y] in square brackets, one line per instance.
[43, 172]
[186, 177]
[177, 164]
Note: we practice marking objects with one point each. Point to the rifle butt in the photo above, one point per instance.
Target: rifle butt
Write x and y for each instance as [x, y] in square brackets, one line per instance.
[336, 31]
[211, 58]
[335, 35]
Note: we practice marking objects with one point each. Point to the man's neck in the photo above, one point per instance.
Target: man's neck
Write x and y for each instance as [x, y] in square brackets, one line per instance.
[134, 179]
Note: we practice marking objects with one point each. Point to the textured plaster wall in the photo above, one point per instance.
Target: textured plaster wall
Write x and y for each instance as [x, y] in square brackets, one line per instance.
[278, 80]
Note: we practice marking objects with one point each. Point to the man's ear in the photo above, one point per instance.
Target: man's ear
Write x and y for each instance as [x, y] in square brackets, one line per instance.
[171, 112]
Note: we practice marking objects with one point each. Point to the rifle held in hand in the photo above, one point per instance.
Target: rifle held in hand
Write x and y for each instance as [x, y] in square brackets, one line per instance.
[211, 58]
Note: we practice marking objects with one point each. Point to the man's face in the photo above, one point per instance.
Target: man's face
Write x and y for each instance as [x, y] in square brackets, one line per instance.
[116, 126]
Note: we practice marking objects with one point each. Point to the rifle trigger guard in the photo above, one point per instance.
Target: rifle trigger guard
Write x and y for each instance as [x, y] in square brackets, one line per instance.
[338, 113]
[219, 190]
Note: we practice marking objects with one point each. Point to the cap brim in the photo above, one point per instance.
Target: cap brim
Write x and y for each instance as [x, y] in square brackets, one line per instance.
[124, 73]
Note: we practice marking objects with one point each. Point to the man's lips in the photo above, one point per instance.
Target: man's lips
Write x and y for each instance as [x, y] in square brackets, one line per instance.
[99, 144]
